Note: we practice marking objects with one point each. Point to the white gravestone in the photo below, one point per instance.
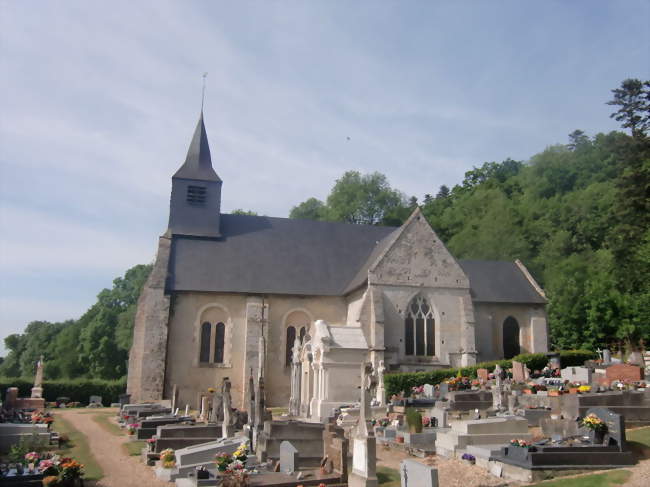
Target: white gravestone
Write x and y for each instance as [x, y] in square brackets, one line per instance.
[416, 474]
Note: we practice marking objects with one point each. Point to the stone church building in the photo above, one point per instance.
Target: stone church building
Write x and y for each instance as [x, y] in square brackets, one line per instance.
[350, 293]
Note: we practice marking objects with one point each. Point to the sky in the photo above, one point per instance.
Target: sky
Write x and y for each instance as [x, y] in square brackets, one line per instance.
[98, 102]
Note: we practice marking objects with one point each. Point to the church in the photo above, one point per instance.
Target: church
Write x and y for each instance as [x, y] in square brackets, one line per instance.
[232, 295]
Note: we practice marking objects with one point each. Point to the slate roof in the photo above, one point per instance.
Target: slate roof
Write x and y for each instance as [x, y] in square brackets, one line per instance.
[258, 254]
[198, 162]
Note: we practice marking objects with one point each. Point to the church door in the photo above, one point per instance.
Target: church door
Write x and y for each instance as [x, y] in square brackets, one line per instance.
[510, 338]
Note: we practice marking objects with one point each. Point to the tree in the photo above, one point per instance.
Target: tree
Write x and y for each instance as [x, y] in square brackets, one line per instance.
[443, 192]
[240, 211]
[364, 199]
[633, 98]
[577, 139]
[312, 209]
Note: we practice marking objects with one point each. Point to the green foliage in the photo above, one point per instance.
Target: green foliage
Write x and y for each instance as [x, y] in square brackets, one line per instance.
[25, 445]
[576, 358]
[414, 420]
[633, 98]
[240, 211]
[78, 390]
[94, 346]
[534, 361]
[359, 198]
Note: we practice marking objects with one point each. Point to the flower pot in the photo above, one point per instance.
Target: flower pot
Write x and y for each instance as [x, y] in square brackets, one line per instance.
[597, 436]
[573, 390]
[399, 439]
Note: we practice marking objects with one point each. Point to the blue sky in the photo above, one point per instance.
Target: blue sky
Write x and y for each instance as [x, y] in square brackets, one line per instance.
[98, 101]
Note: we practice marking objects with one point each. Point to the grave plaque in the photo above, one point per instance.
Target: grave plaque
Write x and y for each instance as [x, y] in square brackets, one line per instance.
[615, 434]
[482, 375]
[518, 372]
[416, 474]
[95, 400]
[288, 458]
[577, 374]
[429, 390]
[624, 372]
[607, 356]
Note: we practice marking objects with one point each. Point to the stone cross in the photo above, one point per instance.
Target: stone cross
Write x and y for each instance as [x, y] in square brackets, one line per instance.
[227, 408]
[368, 383]
[294, 400]
[37, 390]
[381, 390]
[497, 397]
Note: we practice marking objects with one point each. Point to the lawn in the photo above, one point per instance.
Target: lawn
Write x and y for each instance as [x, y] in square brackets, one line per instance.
[134, 448]
[77, 447]
[608, 479]
[103, 420]
[388, 477]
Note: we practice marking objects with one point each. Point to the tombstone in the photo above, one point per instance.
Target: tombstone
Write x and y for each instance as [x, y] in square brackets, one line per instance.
[636, 358]
[37, 390]
[11, 398]
[204, 408]
[562, 427]
[607, 356]
[381, 389]
[227, 408]
[577, 374]
[364, 450]
[518, 372]
[95, 400]
[289, 459]
[497, 390]
[187, 410]
[416, 474]
[624, 372]
[429, 390]
[554, 361]
[443, 390]
[296, 369]
[217, 407]
[483, 375]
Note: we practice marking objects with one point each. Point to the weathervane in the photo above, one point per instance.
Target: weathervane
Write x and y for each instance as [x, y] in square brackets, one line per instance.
[205, 75]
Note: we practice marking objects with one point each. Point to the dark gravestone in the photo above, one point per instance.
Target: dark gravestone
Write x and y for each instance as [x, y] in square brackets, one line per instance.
[615, 434]
[288, 458]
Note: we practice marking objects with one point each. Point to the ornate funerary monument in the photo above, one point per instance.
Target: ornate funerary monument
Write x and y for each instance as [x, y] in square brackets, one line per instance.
[344, 294]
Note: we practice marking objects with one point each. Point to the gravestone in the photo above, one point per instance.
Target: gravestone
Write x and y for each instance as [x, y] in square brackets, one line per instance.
[124, 399]
[429, 390]
[443, 391]
[364, 449]
[203, 415]
[615, 434]
[561, 427]
[296, 369]
[483, 375]
[416, 474]
[174, 397]
[227, 408]
[577, 374]
[636, 358]
[289, 459]
[37, 390]
[607, 356]
[624, 372]
[518, 372]
[11, 398]
[554, 361]
[95, 400]
[381, 388]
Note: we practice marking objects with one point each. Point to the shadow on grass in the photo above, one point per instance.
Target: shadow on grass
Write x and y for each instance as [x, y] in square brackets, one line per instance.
[388, 477]
[607, 479]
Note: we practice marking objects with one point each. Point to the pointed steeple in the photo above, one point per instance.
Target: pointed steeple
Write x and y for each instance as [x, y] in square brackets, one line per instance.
[198, 163]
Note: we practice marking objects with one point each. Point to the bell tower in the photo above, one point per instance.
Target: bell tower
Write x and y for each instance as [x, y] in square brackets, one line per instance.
[195, 203]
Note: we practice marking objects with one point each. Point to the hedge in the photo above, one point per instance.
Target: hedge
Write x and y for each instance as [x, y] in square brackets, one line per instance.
[395, 383]
[78, 390]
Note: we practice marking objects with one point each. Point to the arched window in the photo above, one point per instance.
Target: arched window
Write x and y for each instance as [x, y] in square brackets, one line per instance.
[511, 346]
[219, 336]
[291, 337]
[419, 328]
[204, 354]
[303, 332]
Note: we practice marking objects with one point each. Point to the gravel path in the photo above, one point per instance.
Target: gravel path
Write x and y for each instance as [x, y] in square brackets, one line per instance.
[120, 470]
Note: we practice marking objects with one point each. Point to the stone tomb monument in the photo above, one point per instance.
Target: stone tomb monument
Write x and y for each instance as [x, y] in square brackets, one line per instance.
[416, 474]
[364, 446]
[289, 459]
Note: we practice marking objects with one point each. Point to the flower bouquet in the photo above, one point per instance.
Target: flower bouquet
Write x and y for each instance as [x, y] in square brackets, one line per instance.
[130, 429]
[594, 423]
[426, 421]
[168, 458]
[61, 472]
[520, 443]
[471, 459]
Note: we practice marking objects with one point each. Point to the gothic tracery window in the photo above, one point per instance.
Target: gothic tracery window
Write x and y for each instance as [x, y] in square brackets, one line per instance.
[419, 328]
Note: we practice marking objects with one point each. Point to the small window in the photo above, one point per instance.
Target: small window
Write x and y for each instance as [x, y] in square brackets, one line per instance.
[196, 195]
[303, 332]
[291, 337]
[204, 356]
[219, 335]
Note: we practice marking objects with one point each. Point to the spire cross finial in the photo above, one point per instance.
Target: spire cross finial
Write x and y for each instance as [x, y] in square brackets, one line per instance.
[205, 75]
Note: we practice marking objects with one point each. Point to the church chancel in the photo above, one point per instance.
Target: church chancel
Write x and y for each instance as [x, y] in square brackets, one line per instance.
[322, 298]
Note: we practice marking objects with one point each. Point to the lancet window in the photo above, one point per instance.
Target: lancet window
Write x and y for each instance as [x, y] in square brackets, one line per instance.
[215, 335]
[419, 328]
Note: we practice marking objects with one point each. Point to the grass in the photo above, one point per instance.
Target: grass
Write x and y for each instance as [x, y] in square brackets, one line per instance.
[104, 421]
[388, 477]
[134, 448]
[78, 448]
[608, 479]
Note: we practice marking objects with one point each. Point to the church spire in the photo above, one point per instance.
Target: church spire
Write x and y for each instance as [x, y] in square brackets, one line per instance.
[198, 163]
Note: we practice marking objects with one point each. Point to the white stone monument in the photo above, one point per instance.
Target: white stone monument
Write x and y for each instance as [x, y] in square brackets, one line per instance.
[296, 367]
[226, 427]
[37, 390]
[381, 390]
[364, 449]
